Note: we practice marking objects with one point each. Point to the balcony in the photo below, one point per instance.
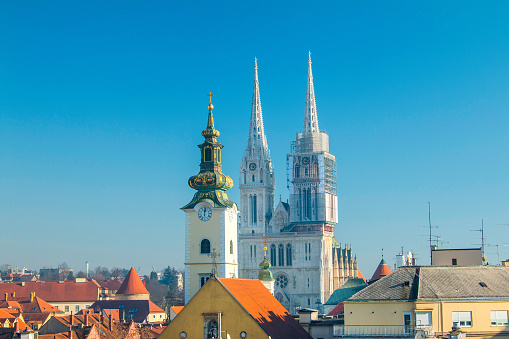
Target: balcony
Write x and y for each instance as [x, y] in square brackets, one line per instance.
[367, 331]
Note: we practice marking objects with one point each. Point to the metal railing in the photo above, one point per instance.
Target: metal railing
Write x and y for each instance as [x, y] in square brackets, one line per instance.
[381, 331]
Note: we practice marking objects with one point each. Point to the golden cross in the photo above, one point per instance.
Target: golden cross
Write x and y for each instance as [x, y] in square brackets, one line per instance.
[265, 241]
[210, 95]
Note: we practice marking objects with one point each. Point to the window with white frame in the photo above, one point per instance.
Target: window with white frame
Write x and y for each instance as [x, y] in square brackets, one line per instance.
[499, 318]
[423, 319]
[462, 319]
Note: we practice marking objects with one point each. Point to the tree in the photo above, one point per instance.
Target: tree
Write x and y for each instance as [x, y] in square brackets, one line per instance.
[81, 274]
[170, 278]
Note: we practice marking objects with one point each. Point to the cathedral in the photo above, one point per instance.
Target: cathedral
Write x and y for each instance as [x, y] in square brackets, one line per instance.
[307, 261]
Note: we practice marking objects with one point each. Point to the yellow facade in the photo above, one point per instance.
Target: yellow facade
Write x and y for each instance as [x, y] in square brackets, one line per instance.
[205, 305]
[392, 313]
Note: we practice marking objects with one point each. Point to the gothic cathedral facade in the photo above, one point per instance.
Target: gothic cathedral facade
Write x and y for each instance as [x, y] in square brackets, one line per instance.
[307, 262]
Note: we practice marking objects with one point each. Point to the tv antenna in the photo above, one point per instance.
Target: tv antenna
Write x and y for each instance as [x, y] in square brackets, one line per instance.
[430, 237]
[481, 230]
[213, 254]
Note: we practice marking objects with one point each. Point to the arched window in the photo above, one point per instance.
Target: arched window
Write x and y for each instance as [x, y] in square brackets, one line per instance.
[297, 171]
[208, 154]
[205, 246]
[231, 246]
[273, 255]
[289, 255]
[253, 178]
[218, 155]
[212, 329]
[281, 255]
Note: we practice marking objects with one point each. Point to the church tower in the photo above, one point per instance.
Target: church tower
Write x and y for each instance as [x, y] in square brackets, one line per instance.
[312, 172]
[211, 218]
[256, 173]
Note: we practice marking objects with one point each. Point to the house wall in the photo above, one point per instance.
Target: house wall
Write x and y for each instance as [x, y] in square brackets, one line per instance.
[213, 298]
[157, 317]
[391, 313]
[471, 257]
[61, 305]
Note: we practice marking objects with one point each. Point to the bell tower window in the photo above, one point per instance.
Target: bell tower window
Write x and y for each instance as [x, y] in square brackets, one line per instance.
[208, 154]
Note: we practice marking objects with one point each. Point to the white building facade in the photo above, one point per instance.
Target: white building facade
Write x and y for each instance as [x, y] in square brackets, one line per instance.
[307, 262]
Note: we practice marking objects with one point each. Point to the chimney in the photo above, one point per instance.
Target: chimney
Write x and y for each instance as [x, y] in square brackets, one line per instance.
[70, 333]
[70, 320]
[6, 296]
[86, 318]
[102, 317]
[111, 321]
[16, 326]
[32, 297]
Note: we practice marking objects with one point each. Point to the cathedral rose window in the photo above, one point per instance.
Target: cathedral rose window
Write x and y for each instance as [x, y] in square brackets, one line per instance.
[282, 280]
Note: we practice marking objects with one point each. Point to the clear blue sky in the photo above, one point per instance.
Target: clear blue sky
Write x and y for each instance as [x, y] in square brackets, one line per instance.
[102, 105]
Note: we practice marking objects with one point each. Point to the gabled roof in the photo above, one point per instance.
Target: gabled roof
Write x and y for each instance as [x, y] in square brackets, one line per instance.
[52, 291]
[351, 287]
[28, 305]
[112, 284]
[132, 284]
[256, 299]
[381, 271]
[439, 283]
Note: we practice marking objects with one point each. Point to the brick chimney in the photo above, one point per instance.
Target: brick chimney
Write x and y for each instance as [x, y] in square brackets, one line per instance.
[71, 320]
[32, 297]
[86, 318]
[111, 321]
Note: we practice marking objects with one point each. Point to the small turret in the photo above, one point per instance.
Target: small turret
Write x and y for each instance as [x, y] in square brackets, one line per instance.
[265, 275]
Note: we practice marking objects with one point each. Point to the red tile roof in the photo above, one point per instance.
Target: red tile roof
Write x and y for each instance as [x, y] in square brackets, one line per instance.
[132, 284]
[381, 271]
[264, 308]
[337, 310]
[112, 284]
[28, 305]
[52, 291]
[177, 309]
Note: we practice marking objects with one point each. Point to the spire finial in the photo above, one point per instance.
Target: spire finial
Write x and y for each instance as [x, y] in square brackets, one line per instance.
[265, 240]
[210, 95]
[310, 116]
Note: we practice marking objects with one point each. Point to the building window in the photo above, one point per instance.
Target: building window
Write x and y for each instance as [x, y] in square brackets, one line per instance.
[253, 210]
[204, 277]
[253, 178]
[212, 329]
[462, 319]
[454, 261]
[273, 255]
[289, 255]
[66, 308]
[208, 154]
[297, 171]
[281, 255]
[499, 318]
[231, 246]
[251, 248]
[205, 246]
[255, 251]
[77, 308]
[423, 318]
[218, 155]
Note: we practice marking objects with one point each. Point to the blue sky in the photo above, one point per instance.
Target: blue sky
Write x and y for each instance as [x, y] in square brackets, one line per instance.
[102, 106]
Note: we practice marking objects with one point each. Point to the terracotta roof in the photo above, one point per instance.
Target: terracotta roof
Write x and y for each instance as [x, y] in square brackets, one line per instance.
[337, 310]
[112, 284]
[381, 271]
[132, 284]
[26, 305]
[361, 276]
[177, 309]
[264, 308]
[6, 315]
[52, 291]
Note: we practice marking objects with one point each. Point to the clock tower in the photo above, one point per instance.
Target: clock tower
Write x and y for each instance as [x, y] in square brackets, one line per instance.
[211, 218]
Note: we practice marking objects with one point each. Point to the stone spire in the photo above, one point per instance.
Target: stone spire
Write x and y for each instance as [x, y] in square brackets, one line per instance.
[310, 117]
[256, 142]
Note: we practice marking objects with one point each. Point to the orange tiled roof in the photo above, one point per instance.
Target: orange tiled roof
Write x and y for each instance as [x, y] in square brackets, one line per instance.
[132, 284]
[381, 271]
[264, 308]
[177, 309]
[337, 310]
[6, 315]
[361, 276]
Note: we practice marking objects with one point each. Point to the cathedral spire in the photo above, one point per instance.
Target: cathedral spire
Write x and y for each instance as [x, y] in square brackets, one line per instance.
[257, 141]
[310, 117]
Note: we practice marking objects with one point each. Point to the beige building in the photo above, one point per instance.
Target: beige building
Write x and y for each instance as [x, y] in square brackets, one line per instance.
[429, 301]
[457, 257]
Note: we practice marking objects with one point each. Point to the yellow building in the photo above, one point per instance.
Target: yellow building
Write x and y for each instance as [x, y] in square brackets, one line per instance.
[430, 301]
[234, 308]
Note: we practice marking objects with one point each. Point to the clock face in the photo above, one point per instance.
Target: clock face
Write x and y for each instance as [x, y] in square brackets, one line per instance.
[305, 161]
[204, 213]
[252, 166]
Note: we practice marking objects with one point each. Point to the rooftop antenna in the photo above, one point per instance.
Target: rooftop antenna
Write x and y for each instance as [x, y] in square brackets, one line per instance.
[430, 236]
[482, 235]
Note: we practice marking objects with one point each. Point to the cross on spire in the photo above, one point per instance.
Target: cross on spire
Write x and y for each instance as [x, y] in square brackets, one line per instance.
[213, 254]
[210, 95]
